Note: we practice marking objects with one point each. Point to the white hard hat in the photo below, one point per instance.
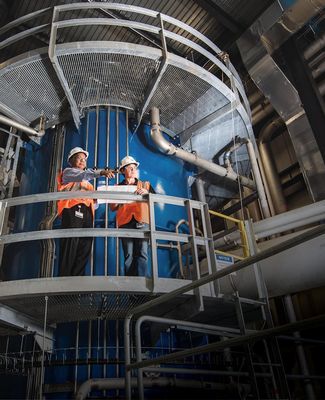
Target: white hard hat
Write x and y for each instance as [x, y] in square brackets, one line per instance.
[127, 161]
[76, 150]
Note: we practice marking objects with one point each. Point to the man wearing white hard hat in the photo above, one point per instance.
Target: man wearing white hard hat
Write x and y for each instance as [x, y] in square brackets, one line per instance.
[133, 216]
[77, 213]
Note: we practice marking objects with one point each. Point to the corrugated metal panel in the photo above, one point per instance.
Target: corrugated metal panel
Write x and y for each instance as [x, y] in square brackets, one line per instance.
[185, 11]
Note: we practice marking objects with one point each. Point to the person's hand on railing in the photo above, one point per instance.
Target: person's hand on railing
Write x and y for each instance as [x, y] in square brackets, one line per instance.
[141, 191]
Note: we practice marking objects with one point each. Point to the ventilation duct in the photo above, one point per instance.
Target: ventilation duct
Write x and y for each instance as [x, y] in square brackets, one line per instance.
[274, 26]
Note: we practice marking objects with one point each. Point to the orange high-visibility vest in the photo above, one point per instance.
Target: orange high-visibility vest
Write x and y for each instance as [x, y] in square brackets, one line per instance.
[73, 186]
[138, 210]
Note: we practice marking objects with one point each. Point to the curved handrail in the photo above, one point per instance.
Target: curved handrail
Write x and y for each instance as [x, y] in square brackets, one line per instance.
[210, 51]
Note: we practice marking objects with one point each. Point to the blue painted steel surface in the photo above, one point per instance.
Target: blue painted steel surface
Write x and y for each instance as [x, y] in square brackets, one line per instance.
[167, 175]
[34, 179]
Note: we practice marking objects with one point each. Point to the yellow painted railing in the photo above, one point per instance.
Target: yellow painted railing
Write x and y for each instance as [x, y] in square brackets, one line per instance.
[243, 236]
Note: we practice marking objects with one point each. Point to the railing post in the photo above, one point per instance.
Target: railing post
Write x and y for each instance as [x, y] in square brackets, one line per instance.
[154, 258]
[195, 256]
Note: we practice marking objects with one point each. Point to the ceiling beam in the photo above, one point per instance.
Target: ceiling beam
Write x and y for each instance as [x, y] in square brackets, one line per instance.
[220, 15]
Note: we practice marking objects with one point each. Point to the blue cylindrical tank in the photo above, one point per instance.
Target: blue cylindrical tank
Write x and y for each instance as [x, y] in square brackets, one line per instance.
[167, 176]
[104, 134]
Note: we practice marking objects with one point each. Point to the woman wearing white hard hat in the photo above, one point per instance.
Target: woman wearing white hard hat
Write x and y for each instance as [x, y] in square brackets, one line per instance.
[77, 213]
[133, 216]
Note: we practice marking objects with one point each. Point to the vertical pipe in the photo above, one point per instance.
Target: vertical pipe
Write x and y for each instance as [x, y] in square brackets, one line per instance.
[117, 352]
[139, 358]
[267, 190]
[7, 349]
[117, 247]
[258, 179]
[43, 350]
[104, 346]
[89, 348]
[95, 184]
[272, 178]
[127, 131]
[106, 205]
[98, 338]
[127, 357]
[96, 137]
[310, 394]
[77, 357]
[117, 141]
[87, 132]
[199, 184]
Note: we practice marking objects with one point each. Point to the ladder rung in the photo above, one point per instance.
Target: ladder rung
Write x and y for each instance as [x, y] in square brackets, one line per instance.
[251, 301]
[268, 364]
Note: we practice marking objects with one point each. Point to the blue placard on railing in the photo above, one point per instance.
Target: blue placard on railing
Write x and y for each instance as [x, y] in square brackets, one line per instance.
[225, 259]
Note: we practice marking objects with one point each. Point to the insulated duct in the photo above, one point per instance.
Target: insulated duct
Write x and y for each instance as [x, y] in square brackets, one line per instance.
[294, 270]
[266, 34]
[289, 220]
[168, 148]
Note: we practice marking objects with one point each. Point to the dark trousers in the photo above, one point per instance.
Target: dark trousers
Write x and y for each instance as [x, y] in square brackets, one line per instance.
[75, 251]
[135, 251]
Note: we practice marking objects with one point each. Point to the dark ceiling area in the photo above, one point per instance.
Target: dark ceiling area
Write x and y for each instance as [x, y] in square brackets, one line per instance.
[222, 21]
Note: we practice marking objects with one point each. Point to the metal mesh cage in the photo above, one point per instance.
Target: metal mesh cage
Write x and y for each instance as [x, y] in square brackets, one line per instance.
[32, 89]
[105, 78]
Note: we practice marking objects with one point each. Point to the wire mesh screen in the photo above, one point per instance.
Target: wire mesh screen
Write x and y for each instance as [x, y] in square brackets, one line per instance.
[105, 78]
[177, 90]
[33, 89]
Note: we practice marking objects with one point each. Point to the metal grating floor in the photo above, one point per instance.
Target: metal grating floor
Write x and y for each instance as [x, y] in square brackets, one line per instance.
[78, 307]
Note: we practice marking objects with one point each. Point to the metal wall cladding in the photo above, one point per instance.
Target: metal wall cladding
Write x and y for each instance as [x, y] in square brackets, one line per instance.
[167, 175]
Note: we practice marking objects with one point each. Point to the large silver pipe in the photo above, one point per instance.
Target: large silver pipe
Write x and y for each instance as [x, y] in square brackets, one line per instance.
[119, 383]
[316, 72]
[258, 179]
[272, 176]
[321, 88]
[289, 220]
[168, 148]
[315, 47]
[255, 97]
[23, 128]
[199, 184]
[263, 113]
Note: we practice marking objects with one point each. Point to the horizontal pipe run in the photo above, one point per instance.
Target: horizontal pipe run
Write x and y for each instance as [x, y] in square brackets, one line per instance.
[238, 341]
[304, 237]
[23, 128]
[118, 383]
[168, 148]
[289, 220]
